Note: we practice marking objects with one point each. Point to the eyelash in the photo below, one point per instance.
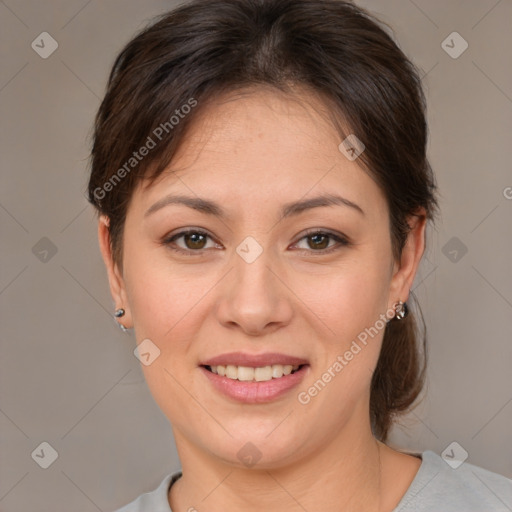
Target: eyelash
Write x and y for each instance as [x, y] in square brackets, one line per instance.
[341, 240]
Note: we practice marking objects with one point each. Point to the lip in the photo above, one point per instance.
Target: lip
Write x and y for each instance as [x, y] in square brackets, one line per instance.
[255, 392]
[253, 360]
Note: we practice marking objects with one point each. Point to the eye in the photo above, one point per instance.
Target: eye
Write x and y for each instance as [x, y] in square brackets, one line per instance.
[194, 240]
[318, 241]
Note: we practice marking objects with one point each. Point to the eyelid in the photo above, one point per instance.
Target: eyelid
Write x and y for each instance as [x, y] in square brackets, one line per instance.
[185, 231]
[323, 231]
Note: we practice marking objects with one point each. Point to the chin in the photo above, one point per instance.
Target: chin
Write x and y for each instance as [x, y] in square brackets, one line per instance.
[255, 448]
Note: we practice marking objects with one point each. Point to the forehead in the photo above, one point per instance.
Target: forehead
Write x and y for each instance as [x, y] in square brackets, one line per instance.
[259, 146]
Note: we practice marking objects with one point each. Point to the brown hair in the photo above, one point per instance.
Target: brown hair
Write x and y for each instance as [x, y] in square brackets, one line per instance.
[167, 73]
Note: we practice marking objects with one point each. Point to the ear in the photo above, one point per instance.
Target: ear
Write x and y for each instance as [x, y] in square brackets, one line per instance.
[405, 270]
[115, 276]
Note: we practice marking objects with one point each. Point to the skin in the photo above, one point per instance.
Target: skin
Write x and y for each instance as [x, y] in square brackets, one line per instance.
[252, 154]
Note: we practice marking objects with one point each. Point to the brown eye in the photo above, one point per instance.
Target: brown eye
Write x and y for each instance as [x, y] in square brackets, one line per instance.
[319, 241]
[194, 241]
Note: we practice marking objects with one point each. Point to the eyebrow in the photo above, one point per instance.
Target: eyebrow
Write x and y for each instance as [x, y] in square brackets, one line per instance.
[290, 209]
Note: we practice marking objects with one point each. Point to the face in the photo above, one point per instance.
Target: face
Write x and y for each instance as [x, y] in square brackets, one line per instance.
[256, 276]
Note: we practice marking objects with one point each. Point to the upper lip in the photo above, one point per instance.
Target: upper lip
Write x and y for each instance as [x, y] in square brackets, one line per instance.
[254, 360]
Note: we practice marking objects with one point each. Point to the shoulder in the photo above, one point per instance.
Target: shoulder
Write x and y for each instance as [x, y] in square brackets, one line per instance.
[437, 487]
[154, 501]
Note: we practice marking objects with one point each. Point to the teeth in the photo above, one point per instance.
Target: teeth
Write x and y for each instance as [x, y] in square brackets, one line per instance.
[231, 372]
[260, 374]
[263, 374]
[287, 369]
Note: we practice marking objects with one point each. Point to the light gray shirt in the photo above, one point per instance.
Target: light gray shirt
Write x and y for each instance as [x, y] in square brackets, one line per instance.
[437, 487]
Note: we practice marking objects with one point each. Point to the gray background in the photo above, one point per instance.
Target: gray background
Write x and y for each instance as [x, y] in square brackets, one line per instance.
[68, 375]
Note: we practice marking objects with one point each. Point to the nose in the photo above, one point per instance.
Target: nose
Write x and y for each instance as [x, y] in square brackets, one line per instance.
[254, 297]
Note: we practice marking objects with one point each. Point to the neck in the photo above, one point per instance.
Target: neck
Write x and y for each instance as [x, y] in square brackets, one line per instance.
[344, 474]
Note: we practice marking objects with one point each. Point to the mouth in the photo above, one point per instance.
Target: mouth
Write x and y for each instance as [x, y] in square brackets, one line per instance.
[254, 379]
[251, 374]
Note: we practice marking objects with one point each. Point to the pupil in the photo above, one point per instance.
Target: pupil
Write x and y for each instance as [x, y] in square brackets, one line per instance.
[316, 237]
[194, 238]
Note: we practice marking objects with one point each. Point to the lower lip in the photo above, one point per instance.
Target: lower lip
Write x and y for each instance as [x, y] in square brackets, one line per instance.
[252, 392]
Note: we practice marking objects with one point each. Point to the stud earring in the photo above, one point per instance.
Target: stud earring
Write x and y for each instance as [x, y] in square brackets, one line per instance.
[401, 310]
[118, 313]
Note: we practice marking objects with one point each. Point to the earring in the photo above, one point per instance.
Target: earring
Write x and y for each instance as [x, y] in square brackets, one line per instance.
[401, 310]
[122, 327]
[118, 313]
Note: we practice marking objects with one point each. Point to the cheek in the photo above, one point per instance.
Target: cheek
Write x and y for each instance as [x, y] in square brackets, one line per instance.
[347, 298]
[351, 305]
[351, 302]
[168, 305]
[165, 299]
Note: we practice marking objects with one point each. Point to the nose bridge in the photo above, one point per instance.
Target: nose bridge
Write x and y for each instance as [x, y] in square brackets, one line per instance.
[253, 297]
[252, 261]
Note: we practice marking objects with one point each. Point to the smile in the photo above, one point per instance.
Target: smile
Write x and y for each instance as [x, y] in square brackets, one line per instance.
[258, 374]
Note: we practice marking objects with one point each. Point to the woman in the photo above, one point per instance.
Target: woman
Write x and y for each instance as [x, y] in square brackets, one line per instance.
[263, 191]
